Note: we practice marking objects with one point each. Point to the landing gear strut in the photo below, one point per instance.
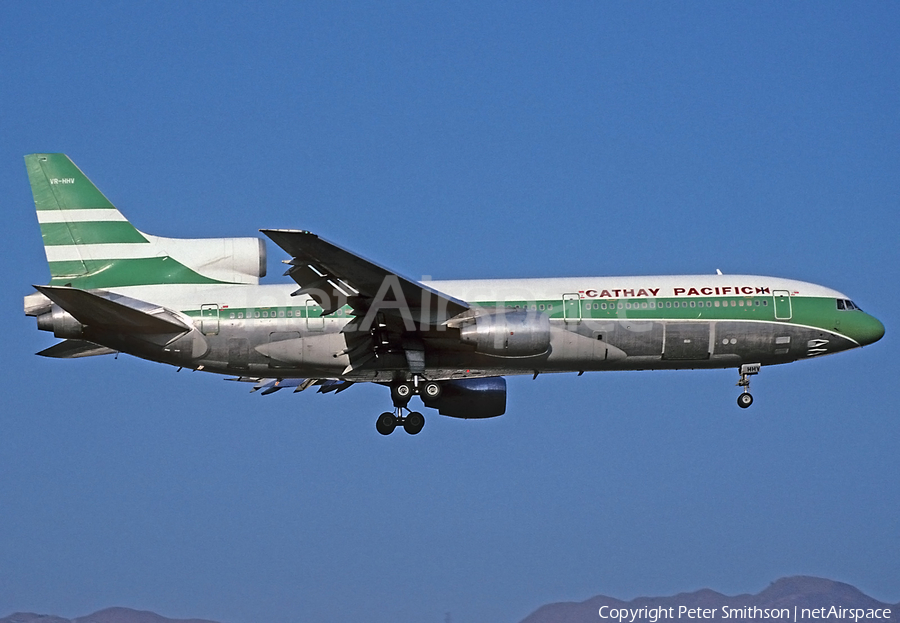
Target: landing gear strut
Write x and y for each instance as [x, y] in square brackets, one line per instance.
[747, 370]
[401, 393]
[412, 423]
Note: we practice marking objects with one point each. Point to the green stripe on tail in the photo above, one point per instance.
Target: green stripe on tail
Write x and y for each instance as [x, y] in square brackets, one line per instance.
[90, 232]
[72, 213]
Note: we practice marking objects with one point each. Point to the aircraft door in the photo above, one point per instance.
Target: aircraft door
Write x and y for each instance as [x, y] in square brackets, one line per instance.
[572, 308]
[314, 322]
[209, 319]
[782, 304]
[686, 340]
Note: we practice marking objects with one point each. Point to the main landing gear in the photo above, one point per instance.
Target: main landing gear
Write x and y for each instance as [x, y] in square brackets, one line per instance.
[747, 370]
[412, 423]
[401, 393]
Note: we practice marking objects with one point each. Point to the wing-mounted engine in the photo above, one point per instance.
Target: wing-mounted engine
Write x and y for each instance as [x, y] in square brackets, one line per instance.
[470, 398]
[393, 315]
[506, 332]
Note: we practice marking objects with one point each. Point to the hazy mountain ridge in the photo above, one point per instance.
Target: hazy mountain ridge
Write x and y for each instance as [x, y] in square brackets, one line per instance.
[800, 591]
[108, 615]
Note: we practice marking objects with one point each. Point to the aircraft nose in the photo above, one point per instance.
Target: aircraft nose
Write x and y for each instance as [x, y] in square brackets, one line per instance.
[869, 331]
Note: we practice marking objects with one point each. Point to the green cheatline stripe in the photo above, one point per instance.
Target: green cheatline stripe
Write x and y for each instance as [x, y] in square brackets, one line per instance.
[811, 311]
[120, 273]
[89, 232]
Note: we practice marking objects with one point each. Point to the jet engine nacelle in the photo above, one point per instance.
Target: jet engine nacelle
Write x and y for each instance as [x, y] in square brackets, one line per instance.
[236, 260]
[60, 323]
[470, 398]
[509, 333]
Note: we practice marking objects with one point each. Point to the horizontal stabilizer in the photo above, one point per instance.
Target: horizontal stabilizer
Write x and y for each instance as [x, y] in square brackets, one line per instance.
[116, 313]
[72, 349]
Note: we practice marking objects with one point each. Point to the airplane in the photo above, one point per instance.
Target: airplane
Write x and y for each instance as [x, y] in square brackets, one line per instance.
[198, 304]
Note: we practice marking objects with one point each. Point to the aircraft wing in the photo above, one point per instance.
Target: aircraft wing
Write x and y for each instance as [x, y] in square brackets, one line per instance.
[334, 277]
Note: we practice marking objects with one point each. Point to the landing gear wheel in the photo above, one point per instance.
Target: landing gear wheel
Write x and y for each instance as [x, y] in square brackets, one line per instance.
[402, 392]
[386, 423]
[414, 422]
[432, 390]
[747, 370]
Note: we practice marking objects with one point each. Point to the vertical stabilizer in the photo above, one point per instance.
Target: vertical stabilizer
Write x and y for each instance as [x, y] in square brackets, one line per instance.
[90, 244]
[75, 218]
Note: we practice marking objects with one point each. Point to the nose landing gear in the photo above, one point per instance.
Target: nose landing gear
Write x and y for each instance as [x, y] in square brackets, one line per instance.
[747, 370]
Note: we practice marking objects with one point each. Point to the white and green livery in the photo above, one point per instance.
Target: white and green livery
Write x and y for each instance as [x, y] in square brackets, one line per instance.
[197, 303]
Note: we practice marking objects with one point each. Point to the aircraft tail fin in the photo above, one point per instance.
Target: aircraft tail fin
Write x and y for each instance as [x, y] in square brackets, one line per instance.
[90, 244]
[74, 214]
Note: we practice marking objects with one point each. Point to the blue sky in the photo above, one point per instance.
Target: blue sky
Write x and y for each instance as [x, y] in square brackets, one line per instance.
[458, 141]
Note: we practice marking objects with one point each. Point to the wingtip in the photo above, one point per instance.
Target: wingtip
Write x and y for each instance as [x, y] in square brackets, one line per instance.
[269, 232]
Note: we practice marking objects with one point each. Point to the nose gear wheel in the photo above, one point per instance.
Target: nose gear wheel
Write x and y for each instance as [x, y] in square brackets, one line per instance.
[747, 370]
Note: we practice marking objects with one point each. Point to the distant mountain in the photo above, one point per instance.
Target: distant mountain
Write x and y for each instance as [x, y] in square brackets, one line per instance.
[110, 615]
[801, 592]
[787, 593]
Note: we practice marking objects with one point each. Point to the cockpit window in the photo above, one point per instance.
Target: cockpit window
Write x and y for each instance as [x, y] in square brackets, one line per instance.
[847, 304]
[840, 304]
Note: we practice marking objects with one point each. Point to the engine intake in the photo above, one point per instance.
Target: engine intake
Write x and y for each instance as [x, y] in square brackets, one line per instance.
[509, 333]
